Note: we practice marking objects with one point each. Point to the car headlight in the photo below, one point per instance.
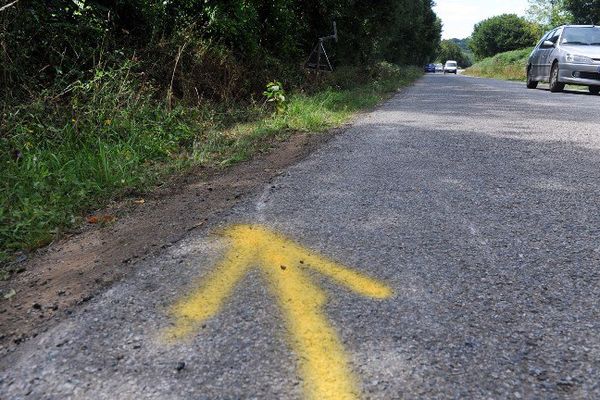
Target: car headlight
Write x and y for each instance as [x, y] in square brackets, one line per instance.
[575, 59]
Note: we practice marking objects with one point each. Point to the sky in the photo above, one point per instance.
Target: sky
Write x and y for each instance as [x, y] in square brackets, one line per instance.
[459, 16]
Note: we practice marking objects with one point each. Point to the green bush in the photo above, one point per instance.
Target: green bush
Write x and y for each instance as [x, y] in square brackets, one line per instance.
[510, 65]
[502, 33]
[235, 43]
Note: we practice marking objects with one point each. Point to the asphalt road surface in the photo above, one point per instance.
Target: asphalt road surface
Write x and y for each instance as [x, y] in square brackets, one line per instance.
[446, 246]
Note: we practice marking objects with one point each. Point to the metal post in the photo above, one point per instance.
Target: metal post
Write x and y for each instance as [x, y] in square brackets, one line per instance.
[320, 50]
[319, 55]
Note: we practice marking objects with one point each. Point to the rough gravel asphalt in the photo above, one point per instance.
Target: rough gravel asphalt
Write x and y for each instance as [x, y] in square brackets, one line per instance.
[476, 201]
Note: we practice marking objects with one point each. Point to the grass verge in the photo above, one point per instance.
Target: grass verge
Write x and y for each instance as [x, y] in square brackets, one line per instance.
[62, 158]
[508, 66]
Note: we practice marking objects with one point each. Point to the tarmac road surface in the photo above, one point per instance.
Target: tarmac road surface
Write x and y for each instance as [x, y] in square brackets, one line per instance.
[445, 246]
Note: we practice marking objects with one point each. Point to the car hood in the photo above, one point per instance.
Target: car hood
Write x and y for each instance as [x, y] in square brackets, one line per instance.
[588, 51]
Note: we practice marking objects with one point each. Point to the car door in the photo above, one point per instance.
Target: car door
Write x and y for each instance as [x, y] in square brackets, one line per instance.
[536, 57]
[547, 57]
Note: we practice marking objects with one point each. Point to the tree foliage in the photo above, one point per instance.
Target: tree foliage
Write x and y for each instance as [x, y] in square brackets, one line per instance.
[584, 11]
[59, 41]
[464, 46]
[502, 33]
[549, 13]
[449, 50]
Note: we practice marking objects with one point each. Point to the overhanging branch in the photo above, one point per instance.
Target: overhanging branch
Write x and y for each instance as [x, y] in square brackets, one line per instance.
[4, 7]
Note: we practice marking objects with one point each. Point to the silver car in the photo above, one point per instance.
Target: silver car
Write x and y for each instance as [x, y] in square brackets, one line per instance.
[568, 54]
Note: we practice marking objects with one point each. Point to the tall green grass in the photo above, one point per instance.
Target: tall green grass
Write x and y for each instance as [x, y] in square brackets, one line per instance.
[65, 154]
[508, 66]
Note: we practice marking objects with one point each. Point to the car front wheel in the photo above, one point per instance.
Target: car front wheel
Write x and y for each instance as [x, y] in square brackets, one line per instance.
[531, 84]
[555, 85]
[594, 89]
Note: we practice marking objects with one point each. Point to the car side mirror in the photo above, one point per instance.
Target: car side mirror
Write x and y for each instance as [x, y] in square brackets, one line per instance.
[547, 44]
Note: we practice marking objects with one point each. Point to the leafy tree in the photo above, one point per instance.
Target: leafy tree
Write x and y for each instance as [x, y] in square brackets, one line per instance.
[462, 43]
[502, 33]
[464, 46]
[43, 43]
[412, 35]
[584, 11]
[449, 50]
[549, 13]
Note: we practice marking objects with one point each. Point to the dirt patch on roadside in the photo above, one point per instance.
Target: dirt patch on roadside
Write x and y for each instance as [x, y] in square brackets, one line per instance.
[70, 272]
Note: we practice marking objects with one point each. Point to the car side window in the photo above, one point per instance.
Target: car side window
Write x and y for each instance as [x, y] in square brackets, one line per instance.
[548, 36]
[544, 38]
[555, 36]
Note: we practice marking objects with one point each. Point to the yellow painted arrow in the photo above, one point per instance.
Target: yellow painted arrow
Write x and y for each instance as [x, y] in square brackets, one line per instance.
[284, 264]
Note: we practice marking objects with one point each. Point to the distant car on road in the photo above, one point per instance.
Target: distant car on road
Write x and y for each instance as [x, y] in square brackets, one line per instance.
[567, 54]
[451, 67]
[439, 67]
[430, 68]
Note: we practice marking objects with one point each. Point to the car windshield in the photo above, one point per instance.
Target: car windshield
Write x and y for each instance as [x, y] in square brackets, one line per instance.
[589, 36]
[451, 64]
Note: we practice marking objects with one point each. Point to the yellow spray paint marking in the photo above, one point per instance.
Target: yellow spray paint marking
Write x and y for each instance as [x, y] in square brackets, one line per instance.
[283, 263]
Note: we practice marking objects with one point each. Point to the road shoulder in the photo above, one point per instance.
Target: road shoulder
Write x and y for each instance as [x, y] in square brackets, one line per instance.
[68, 273]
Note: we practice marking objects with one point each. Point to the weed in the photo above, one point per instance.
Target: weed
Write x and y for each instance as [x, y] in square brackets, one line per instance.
[276, 95]
[64, 157]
